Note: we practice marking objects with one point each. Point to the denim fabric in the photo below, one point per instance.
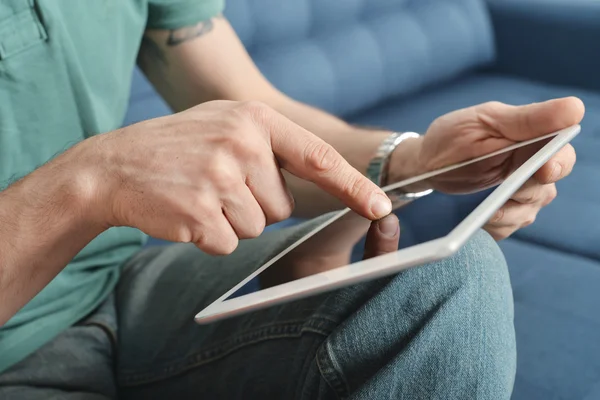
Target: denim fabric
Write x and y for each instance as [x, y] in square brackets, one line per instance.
[441, 331]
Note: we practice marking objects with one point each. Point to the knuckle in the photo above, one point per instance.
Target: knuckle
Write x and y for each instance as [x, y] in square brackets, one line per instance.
[235, 126]
[196, 229]
[254, 228]
[355, 187]
[488, 113]
[321, 157]
[199, 205]
[238, 130]
[255, 109]
[529, 220]
[256, 155]
[530, 196]
[226, 247]
[223, 247]
[550, 195]
[182, 234]
[282, 212]
[199, 238]
[223, 177]
[233, 123]
[499, 216]
[492, 105]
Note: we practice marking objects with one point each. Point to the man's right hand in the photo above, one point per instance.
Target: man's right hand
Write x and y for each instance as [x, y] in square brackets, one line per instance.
[211, 175]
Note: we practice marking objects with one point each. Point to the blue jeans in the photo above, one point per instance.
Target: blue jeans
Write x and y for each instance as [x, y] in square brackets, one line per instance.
[441, 331]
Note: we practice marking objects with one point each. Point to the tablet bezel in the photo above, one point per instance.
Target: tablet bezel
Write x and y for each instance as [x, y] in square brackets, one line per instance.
[391, 263]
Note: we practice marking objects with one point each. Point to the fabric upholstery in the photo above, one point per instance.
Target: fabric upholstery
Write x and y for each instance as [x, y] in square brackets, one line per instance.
[557, 325]
[346, 55]
[555, 41]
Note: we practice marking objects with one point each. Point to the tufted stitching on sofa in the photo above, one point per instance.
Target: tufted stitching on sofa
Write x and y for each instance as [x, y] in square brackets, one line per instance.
[281, 28]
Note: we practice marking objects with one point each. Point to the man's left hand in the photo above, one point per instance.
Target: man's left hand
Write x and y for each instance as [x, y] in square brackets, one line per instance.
[476, 131]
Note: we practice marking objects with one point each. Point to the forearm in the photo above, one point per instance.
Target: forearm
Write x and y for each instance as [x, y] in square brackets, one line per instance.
[207, 62]
[43, 225]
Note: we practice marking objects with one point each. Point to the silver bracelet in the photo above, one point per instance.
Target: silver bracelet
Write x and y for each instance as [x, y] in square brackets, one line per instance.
[378, 168]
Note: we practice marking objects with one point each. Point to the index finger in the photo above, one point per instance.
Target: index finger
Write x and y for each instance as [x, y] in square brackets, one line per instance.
[309, 157]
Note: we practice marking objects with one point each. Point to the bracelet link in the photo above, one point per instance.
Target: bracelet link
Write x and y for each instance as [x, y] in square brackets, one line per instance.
[378, 168]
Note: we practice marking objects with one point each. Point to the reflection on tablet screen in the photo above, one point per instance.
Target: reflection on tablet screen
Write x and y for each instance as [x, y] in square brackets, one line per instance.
[342, 241]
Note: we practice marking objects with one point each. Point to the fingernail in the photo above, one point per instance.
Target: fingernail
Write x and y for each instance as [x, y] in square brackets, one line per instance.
[389, 227]
[380, 206]
[556, 171]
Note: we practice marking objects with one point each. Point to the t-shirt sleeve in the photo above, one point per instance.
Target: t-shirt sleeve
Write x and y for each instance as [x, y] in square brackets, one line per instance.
[173, 14]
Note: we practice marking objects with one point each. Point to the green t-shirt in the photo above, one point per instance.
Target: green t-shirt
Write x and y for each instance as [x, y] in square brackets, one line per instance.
[65, 73]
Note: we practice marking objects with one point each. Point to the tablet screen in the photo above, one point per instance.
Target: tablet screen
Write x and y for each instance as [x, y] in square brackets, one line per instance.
[340, 239]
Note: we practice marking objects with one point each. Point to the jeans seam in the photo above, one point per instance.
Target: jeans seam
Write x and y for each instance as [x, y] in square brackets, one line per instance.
[330, 372]
[206, 356]
[108, 331]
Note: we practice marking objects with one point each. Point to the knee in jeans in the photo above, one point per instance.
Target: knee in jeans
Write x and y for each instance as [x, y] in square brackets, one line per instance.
[467, 300]
[477, 277]
[449, 323]
[474, 282]
[475, 292]
[482, 271]
[487, 294]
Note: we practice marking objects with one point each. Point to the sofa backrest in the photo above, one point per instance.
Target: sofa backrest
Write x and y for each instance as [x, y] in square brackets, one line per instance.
[347, 55]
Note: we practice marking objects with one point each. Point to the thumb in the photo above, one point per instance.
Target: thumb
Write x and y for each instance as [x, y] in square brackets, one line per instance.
[529, 121]
[383, 237]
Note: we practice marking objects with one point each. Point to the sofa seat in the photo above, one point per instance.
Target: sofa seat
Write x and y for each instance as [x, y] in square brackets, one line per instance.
[557, 335]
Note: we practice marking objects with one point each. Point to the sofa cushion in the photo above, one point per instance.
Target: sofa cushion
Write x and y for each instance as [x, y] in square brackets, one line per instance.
[557, 330]
[346, 55]
[560, 225]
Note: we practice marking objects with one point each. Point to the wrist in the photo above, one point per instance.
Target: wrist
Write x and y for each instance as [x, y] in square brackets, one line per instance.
[79, 181]
[405, 161]
[52, 201]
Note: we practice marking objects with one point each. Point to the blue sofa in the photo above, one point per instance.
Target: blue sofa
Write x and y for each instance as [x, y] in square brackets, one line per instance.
[401, 63]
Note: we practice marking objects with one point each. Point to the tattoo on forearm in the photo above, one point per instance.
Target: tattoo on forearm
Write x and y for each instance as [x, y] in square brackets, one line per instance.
[178, 36]
[151, 52]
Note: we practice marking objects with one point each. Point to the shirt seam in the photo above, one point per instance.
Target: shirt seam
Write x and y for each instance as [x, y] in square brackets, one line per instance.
[187, 14]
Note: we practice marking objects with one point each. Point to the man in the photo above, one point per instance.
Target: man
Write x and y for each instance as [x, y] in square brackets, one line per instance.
[86, 315]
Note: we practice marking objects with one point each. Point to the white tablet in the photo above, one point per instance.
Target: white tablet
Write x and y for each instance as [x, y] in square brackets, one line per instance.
[279, 284]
